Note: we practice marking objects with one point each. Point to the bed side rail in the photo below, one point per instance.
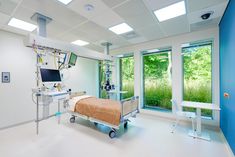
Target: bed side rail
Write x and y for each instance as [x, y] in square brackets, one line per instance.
[130, 105]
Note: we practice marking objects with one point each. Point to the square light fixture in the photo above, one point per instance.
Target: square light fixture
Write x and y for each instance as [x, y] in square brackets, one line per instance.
[171, 11]
[121, 28]
[65, 1]
[22, 25]
[80, 43]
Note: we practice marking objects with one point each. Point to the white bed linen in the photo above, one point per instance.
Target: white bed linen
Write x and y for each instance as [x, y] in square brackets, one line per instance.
[74, 100]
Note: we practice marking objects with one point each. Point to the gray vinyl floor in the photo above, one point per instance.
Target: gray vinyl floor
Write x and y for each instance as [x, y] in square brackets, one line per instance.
[146, 136]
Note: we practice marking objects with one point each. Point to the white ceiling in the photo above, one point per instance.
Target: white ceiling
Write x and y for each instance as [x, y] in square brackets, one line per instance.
[73, 22]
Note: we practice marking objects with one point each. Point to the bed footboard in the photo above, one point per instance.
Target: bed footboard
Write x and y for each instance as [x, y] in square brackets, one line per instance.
[129, 108]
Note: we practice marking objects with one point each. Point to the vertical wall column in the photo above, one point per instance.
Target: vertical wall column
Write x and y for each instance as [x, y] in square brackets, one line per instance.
[138, 77]
[216, 77]
[177, 74]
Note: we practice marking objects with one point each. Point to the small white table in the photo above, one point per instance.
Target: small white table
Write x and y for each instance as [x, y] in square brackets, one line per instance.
[116, 93]
[199, 106]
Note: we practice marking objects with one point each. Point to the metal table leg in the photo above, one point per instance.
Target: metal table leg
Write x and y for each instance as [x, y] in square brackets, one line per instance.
[199, 134]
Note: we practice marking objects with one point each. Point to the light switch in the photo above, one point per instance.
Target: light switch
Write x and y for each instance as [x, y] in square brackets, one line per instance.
[226, 95]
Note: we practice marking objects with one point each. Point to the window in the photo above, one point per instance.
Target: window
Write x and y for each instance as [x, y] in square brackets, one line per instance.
[127, 76]
[197, 68]
[102, 92]
[157, 87]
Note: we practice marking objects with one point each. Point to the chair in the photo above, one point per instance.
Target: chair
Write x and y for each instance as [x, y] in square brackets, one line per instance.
[179, 113]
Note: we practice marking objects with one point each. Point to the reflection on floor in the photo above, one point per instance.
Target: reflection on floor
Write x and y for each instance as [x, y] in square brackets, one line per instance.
[147, 136]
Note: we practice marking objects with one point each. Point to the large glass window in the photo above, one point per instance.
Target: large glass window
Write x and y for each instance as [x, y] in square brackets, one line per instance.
[157, 80]
[127, 76]
[197, 67]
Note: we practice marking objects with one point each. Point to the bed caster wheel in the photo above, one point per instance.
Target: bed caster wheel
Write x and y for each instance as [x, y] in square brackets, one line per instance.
[72, 120]
[125, 125]
[112, 134]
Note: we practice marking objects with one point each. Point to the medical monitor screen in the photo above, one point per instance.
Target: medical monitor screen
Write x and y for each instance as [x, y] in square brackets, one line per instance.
[72, 59]
[50, 75]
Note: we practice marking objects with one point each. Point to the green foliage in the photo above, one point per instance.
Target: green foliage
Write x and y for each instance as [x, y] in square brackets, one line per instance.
[157, 66]
[157, 80]
[127, 68]
[157, 93]
[197, 64]
[127, 76]
[128, 86]
[197, 76]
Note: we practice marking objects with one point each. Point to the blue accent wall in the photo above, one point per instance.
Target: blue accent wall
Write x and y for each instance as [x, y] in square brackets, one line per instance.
[227, 74]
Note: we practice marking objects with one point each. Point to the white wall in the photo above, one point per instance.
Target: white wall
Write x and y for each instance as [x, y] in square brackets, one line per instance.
[177, 78]
[16, 105]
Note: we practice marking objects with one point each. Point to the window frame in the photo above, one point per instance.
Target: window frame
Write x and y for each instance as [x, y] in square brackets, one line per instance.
[195, 45]
[147, 53]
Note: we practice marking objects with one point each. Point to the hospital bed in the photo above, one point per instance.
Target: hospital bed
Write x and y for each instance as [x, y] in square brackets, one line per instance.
[107, 112]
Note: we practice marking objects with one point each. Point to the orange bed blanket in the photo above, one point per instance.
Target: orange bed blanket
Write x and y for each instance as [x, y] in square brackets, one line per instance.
[102, 109]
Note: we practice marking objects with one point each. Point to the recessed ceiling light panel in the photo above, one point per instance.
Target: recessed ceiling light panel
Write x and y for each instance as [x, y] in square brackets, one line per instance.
[65, 1]
[171, 11]
[80, 43]
[22, 25]
[121, 28]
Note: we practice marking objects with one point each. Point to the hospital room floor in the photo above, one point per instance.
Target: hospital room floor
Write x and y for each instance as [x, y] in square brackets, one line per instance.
[147, 136]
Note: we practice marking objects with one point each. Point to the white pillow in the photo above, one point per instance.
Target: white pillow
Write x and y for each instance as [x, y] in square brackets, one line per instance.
[74, 100]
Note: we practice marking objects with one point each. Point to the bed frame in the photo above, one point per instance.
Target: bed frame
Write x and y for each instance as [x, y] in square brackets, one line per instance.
[129, 108]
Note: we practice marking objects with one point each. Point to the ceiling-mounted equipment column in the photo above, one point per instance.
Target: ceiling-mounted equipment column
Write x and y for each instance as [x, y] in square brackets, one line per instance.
[42, 22]
[107, 46]
[108, 86]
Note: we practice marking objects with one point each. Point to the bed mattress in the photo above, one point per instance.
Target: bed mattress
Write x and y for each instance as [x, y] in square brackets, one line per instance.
[102, 109]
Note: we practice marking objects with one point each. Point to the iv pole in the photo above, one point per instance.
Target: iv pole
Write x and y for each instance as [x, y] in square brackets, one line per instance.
[42, 21]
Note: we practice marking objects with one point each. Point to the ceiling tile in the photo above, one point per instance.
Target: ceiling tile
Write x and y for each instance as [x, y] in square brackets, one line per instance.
[101, 15]
[152, 32]
[118, 42]
[95, 48]
[113, 3]
[15, 30]
[24, 14]
[108, 19]
[175, 26]
[54, 28]
[4, 19]
[7, 6]
[218, 10]
[68, 37]
[83, 35]
[158, 4]
[194, 5]
[16, 1]
[54, 10]
[96, 31]
[137, 40]
[204, 24]
[79, 7]
[136, 14]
